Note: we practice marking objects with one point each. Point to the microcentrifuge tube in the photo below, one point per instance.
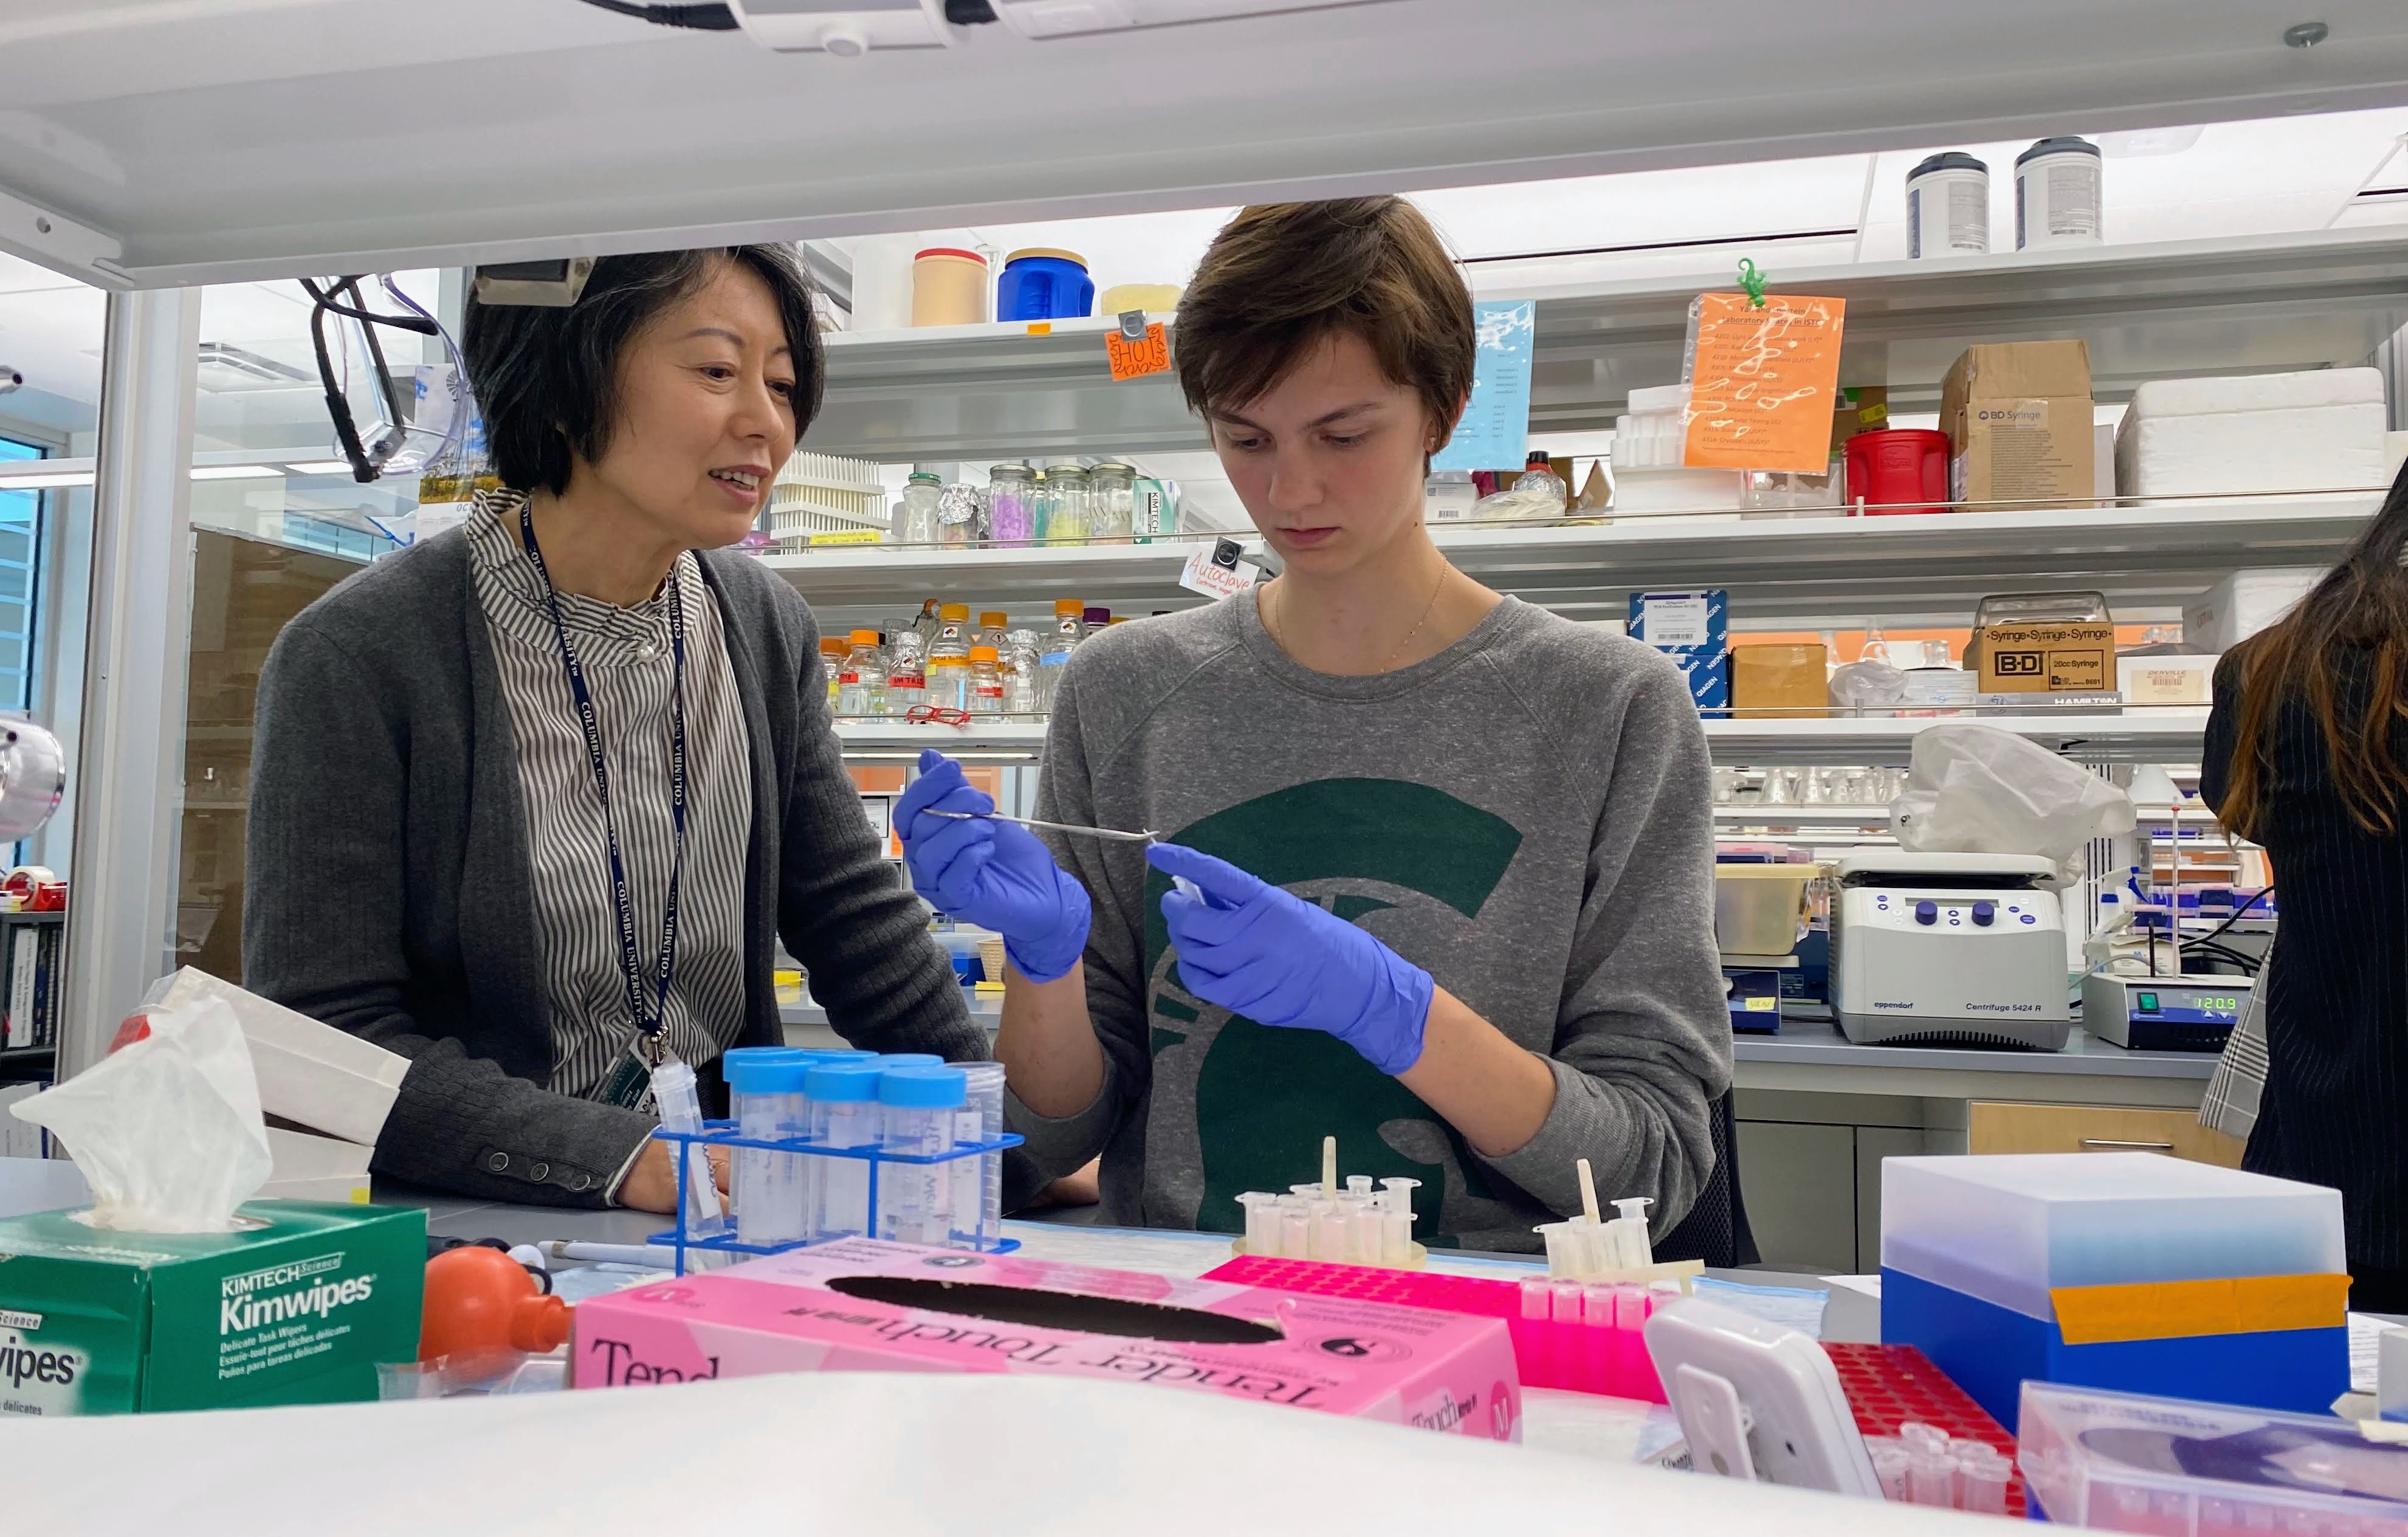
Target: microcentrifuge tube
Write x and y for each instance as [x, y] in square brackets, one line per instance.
[1565, 1304]
[1889, 1466]
[1538, 1297]
[1296, 1233]
[1633, 1307]
[1363, 1236]
[1259, 1219]
[1359, 1186]
[1627, 1234]
[1598, 1305]
[1396, 1195]
[1329, 1233]
[1932, 1477]
[1397, 1237]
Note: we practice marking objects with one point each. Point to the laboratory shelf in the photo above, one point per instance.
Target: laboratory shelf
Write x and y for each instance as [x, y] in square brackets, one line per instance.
[2160, 309]
[2091, 736]
[1018, 739]
[1859, 818]
[2147, 560]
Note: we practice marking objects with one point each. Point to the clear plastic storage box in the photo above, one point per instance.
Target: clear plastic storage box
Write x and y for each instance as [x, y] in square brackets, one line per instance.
[2008, 1229]
[2122, 1463]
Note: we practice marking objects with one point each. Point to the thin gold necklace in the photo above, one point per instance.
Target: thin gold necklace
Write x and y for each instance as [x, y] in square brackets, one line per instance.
[1445, 571]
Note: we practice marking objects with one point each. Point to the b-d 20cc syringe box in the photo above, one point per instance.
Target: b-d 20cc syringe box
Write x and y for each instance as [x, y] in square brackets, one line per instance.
[299, 1307]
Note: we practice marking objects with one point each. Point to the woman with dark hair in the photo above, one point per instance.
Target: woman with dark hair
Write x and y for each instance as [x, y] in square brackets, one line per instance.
[2307, 753]
[533, 801]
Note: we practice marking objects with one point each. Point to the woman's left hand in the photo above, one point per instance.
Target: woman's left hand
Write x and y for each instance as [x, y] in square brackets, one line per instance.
[1254, 950]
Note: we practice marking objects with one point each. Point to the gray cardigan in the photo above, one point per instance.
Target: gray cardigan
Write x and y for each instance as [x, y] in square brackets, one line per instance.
[389, 887]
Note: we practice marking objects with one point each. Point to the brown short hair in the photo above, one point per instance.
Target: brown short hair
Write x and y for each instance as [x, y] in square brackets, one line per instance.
[1283, 278]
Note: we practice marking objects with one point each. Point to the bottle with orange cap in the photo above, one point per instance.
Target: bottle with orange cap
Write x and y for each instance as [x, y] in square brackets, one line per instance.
[1070, 617]
[948, 659]
[986, 682]
[834, 648]
[861, 687]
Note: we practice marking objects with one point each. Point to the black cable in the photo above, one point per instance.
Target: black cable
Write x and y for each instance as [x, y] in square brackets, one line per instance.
[701, 18]
[2213, 934]
[2249, 964]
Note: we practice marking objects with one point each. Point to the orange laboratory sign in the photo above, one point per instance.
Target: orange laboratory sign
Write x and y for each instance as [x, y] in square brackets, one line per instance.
[1136, 359]
[1761, 393]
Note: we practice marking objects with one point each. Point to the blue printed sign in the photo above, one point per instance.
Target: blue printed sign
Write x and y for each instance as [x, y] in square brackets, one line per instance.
[1495, 431]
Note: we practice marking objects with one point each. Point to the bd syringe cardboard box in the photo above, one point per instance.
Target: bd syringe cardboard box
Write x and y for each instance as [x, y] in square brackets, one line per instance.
[297, 1309]
[864, 1305]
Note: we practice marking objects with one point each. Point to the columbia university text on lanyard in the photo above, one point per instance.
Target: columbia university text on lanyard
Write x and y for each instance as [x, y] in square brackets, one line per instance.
[649, 1016]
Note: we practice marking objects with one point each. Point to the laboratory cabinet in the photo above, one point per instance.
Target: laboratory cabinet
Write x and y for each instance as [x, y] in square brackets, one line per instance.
[2007, 1127]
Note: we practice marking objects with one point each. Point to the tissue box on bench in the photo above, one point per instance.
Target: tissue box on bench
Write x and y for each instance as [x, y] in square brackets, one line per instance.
[297, 1309]
[863, 1306]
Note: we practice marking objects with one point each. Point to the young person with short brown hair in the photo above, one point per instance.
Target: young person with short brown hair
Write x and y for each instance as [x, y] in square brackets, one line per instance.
[1453, 854]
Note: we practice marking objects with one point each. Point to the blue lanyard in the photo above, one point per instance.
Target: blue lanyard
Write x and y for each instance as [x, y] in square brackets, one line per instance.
[631, 963]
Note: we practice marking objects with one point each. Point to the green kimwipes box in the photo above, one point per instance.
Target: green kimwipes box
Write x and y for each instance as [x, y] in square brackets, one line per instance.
[297, 1309]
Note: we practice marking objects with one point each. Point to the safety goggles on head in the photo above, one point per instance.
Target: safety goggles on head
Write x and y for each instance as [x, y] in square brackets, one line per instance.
[393, 444]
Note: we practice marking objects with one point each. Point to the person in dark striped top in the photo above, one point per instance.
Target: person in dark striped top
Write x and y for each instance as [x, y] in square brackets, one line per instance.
[2307, 753]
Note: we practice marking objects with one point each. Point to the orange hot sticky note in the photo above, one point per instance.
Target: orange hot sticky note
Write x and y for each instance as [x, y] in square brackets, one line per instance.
[1136, 359]
[1761, 393]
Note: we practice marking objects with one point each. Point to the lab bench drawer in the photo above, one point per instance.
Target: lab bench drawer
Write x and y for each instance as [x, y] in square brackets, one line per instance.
[1993, 1126]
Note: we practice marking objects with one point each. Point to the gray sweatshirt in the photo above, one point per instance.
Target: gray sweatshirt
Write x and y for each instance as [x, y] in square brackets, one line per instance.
[1525, 815]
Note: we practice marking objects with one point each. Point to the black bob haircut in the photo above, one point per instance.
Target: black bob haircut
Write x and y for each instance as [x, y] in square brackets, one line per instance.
[547, 379]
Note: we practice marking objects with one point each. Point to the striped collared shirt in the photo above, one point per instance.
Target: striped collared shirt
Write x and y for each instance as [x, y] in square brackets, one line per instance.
[625, 655]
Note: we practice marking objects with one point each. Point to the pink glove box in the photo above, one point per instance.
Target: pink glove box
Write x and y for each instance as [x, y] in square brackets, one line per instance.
[862, 1305]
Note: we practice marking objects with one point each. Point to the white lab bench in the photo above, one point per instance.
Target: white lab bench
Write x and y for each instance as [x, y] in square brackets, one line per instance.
[1817, 1114]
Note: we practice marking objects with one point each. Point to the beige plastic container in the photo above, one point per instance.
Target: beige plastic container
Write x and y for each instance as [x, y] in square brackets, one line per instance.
[947, 287]
[1158, 298]
[1758, 908]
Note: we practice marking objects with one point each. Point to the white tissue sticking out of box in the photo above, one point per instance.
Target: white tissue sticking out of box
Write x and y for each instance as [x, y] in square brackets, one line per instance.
[309, 1073]
[166, 1130]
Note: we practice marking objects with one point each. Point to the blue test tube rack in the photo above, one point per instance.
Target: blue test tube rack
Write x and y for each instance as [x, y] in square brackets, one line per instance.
[725, 1134]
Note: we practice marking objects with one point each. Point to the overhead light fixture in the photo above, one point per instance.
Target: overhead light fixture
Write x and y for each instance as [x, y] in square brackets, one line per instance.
[321, 466]
[235, 472]
[43, 480]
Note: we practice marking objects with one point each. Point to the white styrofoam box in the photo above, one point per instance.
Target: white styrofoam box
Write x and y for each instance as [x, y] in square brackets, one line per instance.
[309, 1073]
[2166, 680]
[2244, 603]
[2009, 1227]
[1678, 490]
[2320, 430]
[2395, 455]
[2305, 390]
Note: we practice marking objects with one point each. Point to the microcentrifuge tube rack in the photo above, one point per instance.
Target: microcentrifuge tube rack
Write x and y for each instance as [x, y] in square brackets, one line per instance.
[1348, 1224]
[1893, 1387]
[731, 1244]
[1567, 1334]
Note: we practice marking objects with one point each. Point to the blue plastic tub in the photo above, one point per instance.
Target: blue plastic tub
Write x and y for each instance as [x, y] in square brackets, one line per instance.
[1039, 285]
[1989, 1351]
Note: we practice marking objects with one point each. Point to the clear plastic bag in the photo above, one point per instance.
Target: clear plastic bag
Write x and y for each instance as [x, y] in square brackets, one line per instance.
[1976, 789]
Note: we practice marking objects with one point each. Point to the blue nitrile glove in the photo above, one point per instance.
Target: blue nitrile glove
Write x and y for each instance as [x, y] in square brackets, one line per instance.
[995, 874]
[1254, 950]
